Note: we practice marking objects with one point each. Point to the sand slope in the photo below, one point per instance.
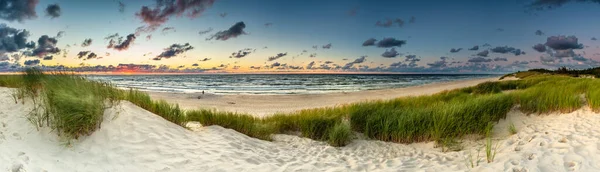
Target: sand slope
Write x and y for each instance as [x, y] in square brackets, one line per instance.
[132, 139]
[262, 105]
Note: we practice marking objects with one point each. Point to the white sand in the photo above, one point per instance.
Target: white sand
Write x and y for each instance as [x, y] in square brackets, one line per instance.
[132, 139]
[262, 105]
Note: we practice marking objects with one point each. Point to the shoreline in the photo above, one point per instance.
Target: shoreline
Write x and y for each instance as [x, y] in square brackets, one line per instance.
[265, 105]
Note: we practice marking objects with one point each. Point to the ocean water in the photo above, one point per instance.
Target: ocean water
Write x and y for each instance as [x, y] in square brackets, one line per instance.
[275, 83]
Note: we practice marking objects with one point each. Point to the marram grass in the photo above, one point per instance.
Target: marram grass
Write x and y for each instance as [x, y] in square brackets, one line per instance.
[73, 106]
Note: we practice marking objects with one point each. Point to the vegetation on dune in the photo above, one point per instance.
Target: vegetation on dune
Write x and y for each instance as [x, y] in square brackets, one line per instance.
[73, 106]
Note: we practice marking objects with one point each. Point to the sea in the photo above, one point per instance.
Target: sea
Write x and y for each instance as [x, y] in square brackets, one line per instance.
[273, 84]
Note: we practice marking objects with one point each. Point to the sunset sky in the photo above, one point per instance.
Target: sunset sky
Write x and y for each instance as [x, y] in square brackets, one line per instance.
[337, 29]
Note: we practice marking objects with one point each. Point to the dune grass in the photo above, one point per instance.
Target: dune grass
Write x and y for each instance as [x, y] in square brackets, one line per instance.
[74, 107]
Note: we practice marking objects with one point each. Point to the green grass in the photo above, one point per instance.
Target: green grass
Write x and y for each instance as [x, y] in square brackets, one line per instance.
[512, 129]
[73, 106]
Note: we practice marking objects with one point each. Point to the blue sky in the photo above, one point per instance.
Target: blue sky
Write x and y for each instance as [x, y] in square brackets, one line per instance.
[297, 26]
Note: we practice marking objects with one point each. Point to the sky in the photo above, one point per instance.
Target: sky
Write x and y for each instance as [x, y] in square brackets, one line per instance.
[244, 36]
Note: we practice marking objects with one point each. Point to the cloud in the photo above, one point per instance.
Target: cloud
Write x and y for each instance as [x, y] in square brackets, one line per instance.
[81, 54]
[475, 48]
[121, 7]
[455, 50]
[312, 55]
[148, 37]
[390, 53]
[60, 34]
[539, 33]
[86, 42]
[174, 50]
[53, 10]
[439, 64]
[389, 23]
[369, 42]
[328, 46]
[268, 24]
[120, 44]
[563, 43]
[4, 57]
[18, 10]
[507, 49]
[13, 40]
[594, 39]
[310, 65]
[353, 11]
[500, 59]
[234, 31]
[165, 9]
[356, 61]
[412, 19]
[483, 53]
[223, 15]
[563, 53]
[552, 4]
[32, 62]
[390, 42]
[202, 32]
[580, 58]
[241, 53]
[539, 48]
[279, 55]
[479, 60]
[205, 59]
[168, 30]
[46, 45]
[195, 65]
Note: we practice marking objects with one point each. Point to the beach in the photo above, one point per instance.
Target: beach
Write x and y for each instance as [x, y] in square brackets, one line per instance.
[264, 105]
[133, 139]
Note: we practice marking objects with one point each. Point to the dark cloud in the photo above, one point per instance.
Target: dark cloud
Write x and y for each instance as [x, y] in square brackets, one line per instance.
[165, 9]
[563, 43]
[13, 40]
[234, 31]
[389, 23]
[268, 24]
[594, 39]
[438, 64]
[18, 10]
[475, 48]
[479, 60]
[483, 53]
[82, 54]
[580, 58]
[121, 7]
[312, 55]
[168, 30]
[60, 34]
[53, 10]
[552, 4]
[174, 50]
[86, 42]
[539, 33]
[4, 57]
[223, 15]
[455, 50]
[356, 61]
[148, 37]
[46, 45]
[500, 59]
[500, 30]
[328, 46]
[390, 53]
[369, 42]
[31, 62]
[241, 53]
[507, 49]
[563, 53]
[279, 55]
[390, 42]
[119, 44]
[205, 59]
[353, 11]
[539, 48]
[412, 19]
[195, 65]
[48, 58]
[310, 65]
[202, 32]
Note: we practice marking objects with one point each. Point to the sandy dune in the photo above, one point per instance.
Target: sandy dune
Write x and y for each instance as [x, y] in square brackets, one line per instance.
[262, 105]
[132, 139]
